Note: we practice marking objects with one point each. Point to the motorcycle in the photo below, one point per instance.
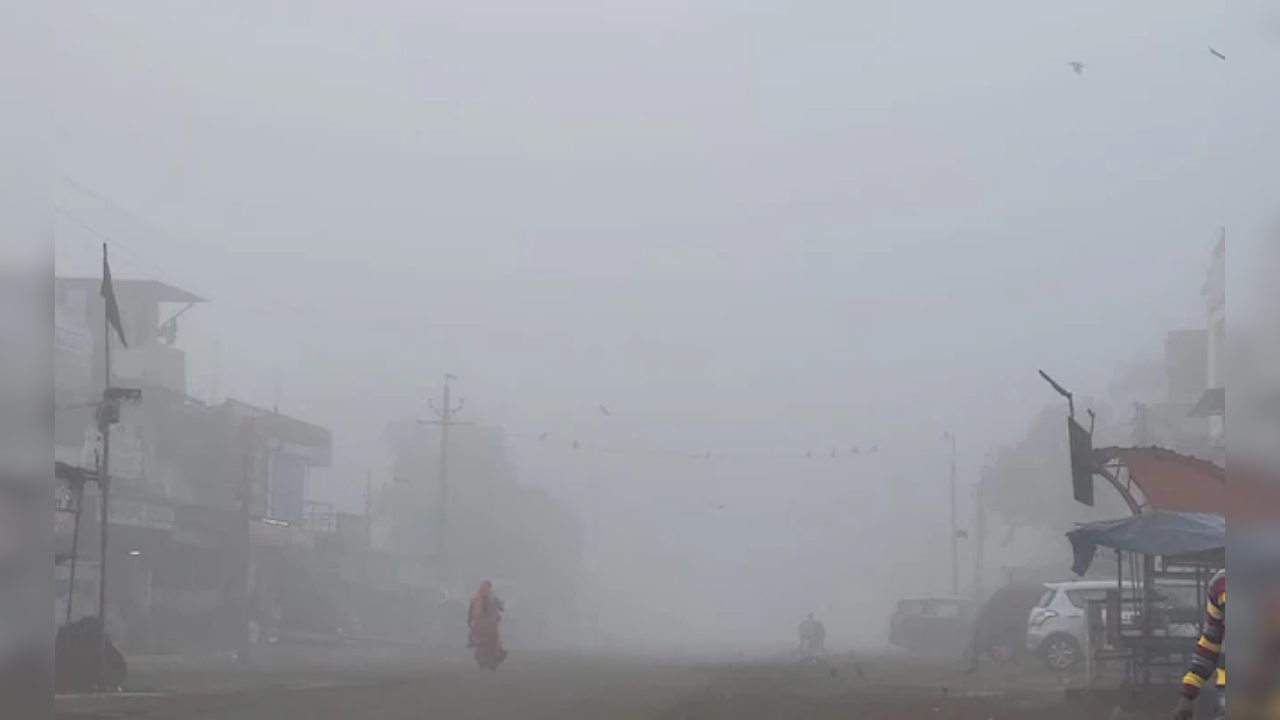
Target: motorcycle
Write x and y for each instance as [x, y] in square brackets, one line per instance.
[489, 657]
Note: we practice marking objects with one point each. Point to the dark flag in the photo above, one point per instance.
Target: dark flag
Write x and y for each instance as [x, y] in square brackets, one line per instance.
[1082, 465]
[109, 296]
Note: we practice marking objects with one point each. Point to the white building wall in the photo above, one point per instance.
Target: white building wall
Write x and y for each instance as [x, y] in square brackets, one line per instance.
[1215, 294]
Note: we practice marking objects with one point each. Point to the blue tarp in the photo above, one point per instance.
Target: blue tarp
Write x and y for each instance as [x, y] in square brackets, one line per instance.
[1159, 532]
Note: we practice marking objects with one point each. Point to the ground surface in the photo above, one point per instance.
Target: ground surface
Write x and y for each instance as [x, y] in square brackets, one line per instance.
[563, 686]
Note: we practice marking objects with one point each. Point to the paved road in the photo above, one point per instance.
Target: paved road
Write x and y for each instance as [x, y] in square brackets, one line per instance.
[537, 688]
[564, 687]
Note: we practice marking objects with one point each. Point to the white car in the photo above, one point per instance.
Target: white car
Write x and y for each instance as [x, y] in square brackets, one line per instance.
[1056, 626]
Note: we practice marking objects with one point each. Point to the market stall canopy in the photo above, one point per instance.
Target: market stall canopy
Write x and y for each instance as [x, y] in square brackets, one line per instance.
[1159, 532]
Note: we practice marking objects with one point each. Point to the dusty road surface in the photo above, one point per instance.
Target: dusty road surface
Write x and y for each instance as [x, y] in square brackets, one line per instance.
[567, 687]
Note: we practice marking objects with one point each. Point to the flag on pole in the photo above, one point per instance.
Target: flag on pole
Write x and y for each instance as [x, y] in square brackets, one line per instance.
[109, 296]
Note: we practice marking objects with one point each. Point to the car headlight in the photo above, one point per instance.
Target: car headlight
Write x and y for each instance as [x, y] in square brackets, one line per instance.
[1042, 617]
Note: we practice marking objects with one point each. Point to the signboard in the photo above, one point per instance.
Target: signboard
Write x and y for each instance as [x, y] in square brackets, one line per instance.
[64, 524]
[72, 346]
[287, 487]
[63, 499]
[198, 537]
[126, 452]
[1082, 467]
[137, 514]
[278, 534]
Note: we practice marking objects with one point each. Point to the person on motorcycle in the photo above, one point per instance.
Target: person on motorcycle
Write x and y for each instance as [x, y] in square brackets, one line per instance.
[1209, 657]
[812, 635]
[482, 627]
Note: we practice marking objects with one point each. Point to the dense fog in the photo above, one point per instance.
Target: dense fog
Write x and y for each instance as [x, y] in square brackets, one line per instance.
[720, 279]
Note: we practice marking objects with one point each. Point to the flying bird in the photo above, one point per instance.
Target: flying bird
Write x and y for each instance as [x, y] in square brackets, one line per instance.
[1217, 54]
[542, 437]
[834, 452]
[605, 411]
[575, 445]
[708, 456]
[1077, 66]
[854, 450]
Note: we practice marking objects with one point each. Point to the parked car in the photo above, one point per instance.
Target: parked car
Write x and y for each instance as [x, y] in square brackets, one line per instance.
[934, 625]
[1000, 623]
[1056, 627]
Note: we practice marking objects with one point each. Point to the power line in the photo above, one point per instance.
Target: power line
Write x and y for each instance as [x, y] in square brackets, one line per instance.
[161, 273]
[575, 446]
[132, 257]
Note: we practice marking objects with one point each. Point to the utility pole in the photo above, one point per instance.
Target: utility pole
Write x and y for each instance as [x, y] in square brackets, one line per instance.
[104, 509]
[446, 414]
[368, 510]
[76, 479]
[980, 541]
[78, 495]
[955, 531]
[241, 616]
[108, 414]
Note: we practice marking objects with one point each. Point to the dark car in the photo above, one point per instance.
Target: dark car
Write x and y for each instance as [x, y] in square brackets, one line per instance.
[935, 626]
[1000, 626]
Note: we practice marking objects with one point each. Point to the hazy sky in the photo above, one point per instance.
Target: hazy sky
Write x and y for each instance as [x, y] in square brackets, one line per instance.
[741, 225]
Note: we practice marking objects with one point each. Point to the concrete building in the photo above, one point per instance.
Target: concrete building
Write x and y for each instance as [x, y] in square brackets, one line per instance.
[1213, 402]
[179, 468]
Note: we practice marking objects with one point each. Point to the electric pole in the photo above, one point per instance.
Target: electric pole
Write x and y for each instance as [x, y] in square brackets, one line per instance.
[243, 614]
[446, 414]
[108, 414]
[980, 539]
[368, 509]
[955, 531]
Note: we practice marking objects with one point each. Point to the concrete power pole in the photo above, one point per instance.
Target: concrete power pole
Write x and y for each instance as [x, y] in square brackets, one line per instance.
[368, 509]
[980, 551]
[244, 494]
[446, 414]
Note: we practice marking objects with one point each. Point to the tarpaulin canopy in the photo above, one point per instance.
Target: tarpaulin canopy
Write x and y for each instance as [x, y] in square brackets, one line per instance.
[1159, 532]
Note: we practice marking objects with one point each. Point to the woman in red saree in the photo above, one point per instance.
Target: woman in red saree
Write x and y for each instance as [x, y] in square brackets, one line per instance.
[482, 621]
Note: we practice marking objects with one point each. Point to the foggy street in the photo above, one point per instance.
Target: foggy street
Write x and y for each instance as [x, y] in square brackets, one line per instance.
[546, 686]
[537, 686]
[633, 361]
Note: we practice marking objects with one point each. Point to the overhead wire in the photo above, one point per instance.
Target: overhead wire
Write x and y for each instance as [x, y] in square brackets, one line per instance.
[155, 271]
